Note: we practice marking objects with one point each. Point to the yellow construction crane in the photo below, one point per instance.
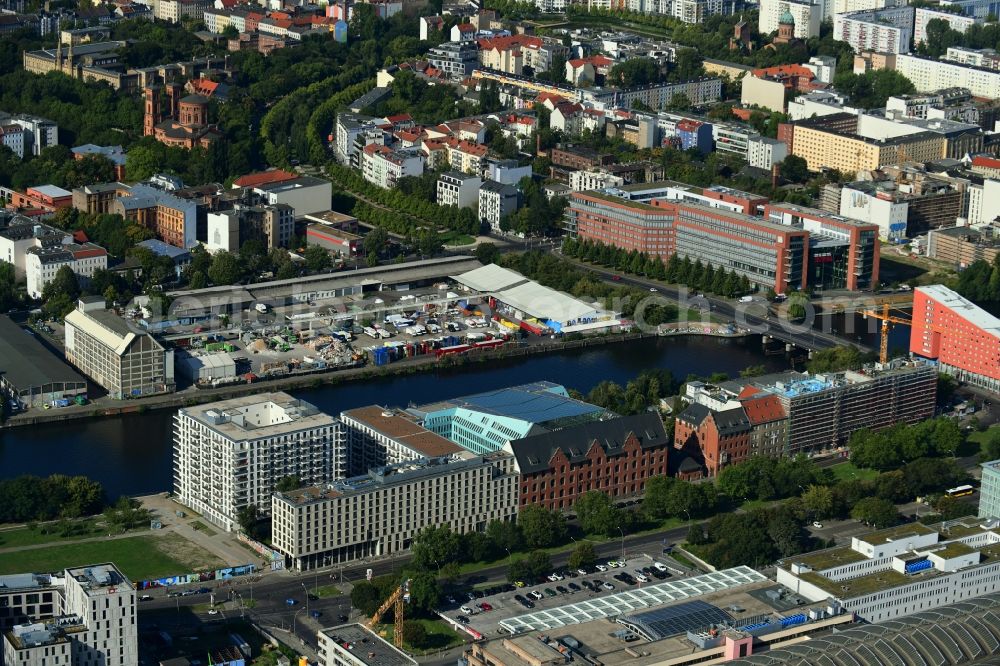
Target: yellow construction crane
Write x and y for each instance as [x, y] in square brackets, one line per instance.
[396, 599]
[883, 354]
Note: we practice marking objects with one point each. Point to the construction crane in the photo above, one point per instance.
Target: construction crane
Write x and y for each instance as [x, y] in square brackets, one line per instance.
[397, 599]
[886, 318]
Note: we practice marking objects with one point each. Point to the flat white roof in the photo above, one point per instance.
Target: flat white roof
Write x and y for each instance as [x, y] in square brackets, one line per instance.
[541, 301]
[963, 307]
[489, 278]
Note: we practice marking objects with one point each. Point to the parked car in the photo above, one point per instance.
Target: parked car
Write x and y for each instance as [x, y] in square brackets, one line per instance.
[212, 611]
[607, 586]
[641, 577]
[462, 619]
[561, 590]
[485, 607]
[549, 592]
[582, 571]
[467, 610]
[602, 567]
[574, 587]
[659, 566]
[536, 595]
[818, 525]
[553, 577]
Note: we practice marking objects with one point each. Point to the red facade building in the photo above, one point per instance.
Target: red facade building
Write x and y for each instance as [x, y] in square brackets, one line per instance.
[723, 436]
[961, 336]
[614, 456]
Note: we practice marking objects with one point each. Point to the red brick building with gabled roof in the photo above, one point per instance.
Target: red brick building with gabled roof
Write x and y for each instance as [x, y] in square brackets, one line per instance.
[615, 456]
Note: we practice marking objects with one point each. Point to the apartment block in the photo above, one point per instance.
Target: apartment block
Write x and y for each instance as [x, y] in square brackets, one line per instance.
[901, 570]
[43, 263]
[887, 30]
[78, 617]
[172, 219]
[122, 357]
[928, 75]
[792, 413]
[832, 142]
[383, 166]
[231, 454]
[273, 226]
[962, 246]
[924, 15]
[19, 233]
[963, 338]
[380, 513]
[764, 152]
[30, 135]
[98, 198]
[986, 58]
[497, 201]
[455, 188]
[303, 194]
[454, 59]
[379, 436]
[989, 489]
[843, 253]
[807, 15]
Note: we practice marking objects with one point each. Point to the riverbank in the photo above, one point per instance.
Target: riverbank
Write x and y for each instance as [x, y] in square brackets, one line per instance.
[195, 396]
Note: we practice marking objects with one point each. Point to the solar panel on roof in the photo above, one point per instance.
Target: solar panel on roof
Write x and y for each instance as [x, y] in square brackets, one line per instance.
[983, 632]
[909, 652]
[677, 619]
[947, 644]
[965, 639]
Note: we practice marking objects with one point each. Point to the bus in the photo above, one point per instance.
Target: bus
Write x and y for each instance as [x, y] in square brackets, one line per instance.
[960, 491]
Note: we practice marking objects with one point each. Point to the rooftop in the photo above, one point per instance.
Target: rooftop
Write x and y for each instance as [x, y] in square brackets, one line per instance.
[963, 307]
[827, 559]
[366, 647]
[539, 403]
[896, 533]
[25, 363]
[400, 427]
[388, 476]
[99, 577]
[259, 416]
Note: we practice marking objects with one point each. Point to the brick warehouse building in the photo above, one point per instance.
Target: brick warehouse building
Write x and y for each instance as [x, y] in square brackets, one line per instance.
[961, 336]
[615, 456]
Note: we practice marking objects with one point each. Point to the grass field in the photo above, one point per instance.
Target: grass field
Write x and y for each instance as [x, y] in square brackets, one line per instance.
[139, 557]
[440, 636]
[202, 527]
[847, 470]
[977, 438]
[454, 239]
[326, 591]
[47, 533]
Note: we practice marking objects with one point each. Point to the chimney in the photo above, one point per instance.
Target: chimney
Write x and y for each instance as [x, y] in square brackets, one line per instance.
[775, 171]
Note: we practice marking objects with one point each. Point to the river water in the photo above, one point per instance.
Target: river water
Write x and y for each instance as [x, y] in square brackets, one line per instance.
[132, 454]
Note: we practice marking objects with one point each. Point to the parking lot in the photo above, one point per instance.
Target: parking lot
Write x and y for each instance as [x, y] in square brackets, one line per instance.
[572, 587]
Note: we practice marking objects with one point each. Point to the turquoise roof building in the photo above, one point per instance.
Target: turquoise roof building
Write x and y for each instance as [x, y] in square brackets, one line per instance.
[485, 422]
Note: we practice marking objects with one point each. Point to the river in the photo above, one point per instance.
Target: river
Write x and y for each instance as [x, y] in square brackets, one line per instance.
[132, 454]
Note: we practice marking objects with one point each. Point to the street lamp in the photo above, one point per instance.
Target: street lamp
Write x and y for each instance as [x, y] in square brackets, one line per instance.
[623, 541]
[307, 596]
[295, 622]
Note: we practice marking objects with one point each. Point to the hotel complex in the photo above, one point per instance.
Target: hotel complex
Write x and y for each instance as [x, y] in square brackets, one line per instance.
[962, 337]
[229, 455]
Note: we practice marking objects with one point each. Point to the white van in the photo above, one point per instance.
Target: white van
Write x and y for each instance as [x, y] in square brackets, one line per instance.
[746, 299]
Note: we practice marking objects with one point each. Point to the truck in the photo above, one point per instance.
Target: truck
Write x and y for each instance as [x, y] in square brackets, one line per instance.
[261, 308]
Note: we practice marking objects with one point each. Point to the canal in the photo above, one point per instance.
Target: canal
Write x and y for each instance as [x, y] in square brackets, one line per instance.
[132, 454]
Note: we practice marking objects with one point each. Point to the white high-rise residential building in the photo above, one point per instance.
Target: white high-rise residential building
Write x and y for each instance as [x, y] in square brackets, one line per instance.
[231, 454]
[455, 188]
[497, 201]
[43, 263]
[807, 15]
[380, 513]
[929, 75]
[88, 620]
[888, 30]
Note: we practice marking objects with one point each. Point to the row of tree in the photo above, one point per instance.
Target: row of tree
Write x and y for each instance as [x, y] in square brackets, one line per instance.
[30, 498]
[891, 448]
[559, 273]
[695, 274]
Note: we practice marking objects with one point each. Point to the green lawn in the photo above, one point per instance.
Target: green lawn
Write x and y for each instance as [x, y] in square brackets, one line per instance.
[977, 438]
[440, 636]
[202, 527]
[683, 561]
[847, 470]
[139, 558]
[452, 238]
[324, 591]
[47, 533]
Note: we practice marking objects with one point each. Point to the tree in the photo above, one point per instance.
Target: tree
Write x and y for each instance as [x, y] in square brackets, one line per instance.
[487, 253]
[434, 546]
[226, 268]
[414, 634]
[582, 556]
[818, 501]
[248, 518]
[287, 483]
[365, 597]
[597, 514]
[541, 527]
[317, 258]
[64, 283]
[376, 240]
[425, 593]
[991, 447]
[634, 72]
[877, 512]
[794, 169]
